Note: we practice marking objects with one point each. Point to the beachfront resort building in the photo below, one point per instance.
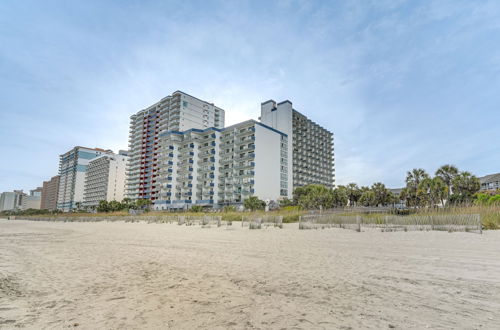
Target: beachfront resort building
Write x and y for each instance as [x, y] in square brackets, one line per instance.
[174, 113]
[181, 155]
[309, 144]
[72, 168]
[11, 200]
[216, 167]
[50, 190]
[105, 179]
[33, 200]
[490, 182]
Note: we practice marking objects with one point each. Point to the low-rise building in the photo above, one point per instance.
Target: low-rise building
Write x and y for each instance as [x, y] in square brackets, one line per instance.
[105, 179]
[490, 182]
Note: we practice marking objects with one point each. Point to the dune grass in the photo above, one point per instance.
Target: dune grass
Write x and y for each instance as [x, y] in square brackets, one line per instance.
[490, 214]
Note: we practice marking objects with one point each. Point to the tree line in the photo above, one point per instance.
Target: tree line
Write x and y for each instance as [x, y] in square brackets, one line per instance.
[449, 186]
[125, 205]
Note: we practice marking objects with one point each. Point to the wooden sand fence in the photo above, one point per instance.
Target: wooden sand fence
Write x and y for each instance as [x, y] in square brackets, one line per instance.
[203, 220]
[257, 222]
[330, 220]
[387, 223]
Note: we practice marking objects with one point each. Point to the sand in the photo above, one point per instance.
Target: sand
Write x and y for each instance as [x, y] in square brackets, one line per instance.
[159, 276]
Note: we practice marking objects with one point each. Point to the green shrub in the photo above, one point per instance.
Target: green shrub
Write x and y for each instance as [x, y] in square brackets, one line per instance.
[291, 208]
[494, 200]
[229, 208]
[196, 208]
[491, 221]
[291, 218]
[252, 203]
[481, 199]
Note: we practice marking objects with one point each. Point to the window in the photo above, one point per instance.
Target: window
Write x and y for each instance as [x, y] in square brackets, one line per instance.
[184, 104]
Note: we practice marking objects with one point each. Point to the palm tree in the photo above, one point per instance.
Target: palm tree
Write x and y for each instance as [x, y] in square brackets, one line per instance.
[440, 190]
[413, 180]
[447, 173]
[353, 193]
[415, 176]
[381, 193]
[368, 198]
[432, 191]
[424, 192]
[466, 185]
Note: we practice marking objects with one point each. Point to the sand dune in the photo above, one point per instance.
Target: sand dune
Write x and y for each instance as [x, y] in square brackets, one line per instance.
[158, 276]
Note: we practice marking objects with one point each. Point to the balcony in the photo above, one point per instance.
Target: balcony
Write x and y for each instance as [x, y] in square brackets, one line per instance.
[246, 131]
[245, 140]
[206, 169]
[246, 157]
[246, 165]
[226, 160]
[208, 146]
[226, 138]
[246, 148]
[247, 174]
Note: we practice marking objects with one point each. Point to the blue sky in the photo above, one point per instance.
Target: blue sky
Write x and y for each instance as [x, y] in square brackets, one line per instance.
[402, 84]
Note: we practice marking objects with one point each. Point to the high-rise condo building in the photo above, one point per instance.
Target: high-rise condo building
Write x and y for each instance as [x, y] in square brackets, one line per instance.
[50, 190]
[105, 179]
[309, 144]
[72, 168]
[216, 167]
[174, 113]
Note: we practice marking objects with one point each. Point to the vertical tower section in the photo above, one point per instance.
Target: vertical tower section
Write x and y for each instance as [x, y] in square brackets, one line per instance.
[72, 169]
[105, 179]
[313, 153]
[142, 164]
[50, 191]
[310, 146]
[174, 113]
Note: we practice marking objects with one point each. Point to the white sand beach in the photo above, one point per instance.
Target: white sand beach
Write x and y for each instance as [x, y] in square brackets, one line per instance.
[159, 276]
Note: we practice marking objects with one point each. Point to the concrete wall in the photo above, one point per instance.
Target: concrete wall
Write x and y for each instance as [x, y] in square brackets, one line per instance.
[267, 163]
[280, 116]
[116, 178]
[196, 113]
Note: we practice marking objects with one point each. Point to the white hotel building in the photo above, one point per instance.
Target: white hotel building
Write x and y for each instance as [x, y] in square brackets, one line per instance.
[216, 167]
[105, 179]
[177, 163]
[310, 145]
